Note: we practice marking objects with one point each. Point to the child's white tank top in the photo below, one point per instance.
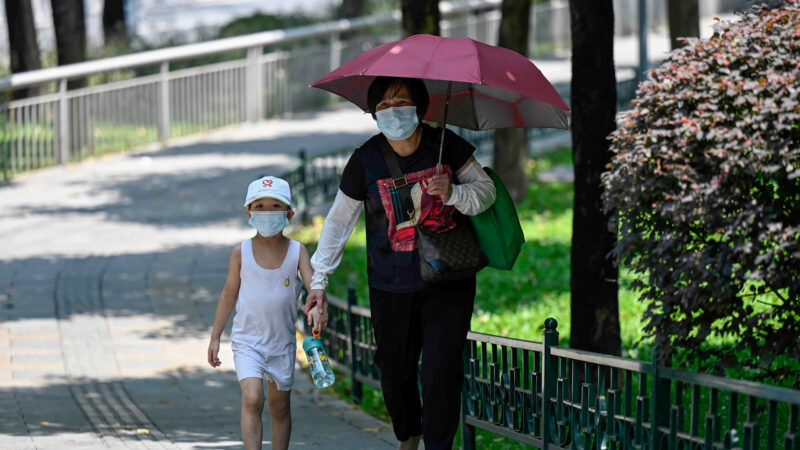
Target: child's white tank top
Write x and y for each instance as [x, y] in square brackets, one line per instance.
[266, 309]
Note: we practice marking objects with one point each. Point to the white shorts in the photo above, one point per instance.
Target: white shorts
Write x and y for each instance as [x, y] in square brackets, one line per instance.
[250, 364]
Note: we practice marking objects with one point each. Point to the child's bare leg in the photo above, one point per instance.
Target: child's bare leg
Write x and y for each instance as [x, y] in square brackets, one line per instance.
[280, 414]
[252, 406]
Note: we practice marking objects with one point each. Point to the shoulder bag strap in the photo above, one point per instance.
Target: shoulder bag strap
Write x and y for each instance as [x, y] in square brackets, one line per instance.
[398, 178]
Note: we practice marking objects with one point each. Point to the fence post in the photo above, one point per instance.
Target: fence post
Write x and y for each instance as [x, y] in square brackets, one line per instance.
[304, 185]
[472, 25]
[659, 393]
[357, 391]
[253, 90]
[467, 431]
[335, 61]
[336, 50]
[5, 157]
[163, 111]
[549, 375]
[63, 122]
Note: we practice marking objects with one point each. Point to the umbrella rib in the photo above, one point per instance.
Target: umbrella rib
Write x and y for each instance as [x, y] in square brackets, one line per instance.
[433, 53]
[474, 108]
[475, 51]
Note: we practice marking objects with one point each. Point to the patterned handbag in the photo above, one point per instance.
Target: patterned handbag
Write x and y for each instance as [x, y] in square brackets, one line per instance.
[443, 256]
[449, 255]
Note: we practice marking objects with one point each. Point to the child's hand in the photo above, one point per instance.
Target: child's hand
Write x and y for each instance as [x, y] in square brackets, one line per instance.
[213, 353]
[318, 318]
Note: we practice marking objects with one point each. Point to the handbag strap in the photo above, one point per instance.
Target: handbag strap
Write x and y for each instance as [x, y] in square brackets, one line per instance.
[398, 178]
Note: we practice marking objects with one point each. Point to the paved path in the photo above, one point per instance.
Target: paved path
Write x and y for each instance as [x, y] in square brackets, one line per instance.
[109, 276]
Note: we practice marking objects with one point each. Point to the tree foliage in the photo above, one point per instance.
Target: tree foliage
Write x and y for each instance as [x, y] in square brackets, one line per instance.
[706, 181]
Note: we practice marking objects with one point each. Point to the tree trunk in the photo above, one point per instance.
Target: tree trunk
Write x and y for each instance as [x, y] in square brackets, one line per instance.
[684, 21]
[114, 29]
[349, 9]
[420, 16]
[594, 306]
[70, 27]
[23, 48]
[511, 144]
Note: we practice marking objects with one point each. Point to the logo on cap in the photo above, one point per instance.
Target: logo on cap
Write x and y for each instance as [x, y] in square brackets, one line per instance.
[266, 183]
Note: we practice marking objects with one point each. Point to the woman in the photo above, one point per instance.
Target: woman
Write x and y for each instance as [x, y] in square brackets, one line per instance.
[409, 315]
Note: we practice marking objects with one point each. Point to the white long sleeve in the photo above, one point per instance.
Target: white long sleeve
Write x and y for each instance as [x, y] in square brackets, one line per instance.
[336, 231]
[476, 191]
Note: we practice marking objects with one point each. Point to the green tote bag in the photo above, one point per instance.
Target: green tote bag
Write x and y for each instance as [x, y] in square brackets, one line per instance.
[497, 229]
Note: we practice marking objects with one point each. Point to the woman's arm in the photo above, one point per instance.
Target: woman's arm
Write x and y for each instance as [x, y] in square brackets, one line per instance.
[476, 191]
[336, 231]
[320, 318]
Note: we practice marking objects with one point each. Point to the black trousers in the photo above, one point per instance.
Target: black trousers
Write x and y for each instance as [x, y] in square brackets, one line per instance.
[433, 322]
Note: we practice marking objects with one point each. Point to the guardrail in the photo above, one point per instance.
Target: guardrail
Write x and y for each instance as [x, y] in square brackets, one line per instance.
[69, 125]
[65, 125]
[549, 396]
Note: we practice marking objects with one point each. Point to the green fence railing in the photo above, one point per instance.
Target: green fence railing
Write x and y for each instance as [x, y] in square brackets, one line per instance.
[554, 397]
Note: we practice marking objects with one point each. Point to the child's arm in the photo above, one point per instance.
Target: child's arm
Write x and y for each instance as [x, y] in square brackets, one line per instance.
[227, 300]
[319, 316]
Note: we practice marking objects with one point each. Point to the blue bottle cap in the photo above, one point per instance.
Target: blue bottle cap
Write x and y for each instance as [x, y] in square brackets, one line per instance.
[312, 342]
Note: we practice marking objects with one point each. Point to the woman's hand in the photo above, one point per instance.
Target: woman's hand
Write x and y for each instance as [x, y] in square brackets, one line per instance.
[440, 185]
[317, 300]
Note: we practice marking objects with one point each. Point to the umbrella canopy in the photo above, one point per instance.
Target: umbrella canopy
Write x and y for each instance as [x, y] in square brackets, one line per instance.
[491, 87]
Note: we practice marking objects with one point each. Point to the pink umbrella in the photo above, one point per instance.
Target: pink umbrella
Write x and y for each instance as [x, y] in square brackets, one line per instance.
[488, 87]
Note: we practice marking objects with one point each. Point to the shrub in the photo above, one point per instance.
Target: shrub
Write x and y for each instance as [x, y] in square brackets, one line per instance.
[705, 179]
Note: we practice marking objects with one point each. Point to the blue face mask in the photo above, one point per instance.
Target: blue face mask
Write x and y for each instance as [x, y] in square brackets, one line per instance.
[397, 123]
[268, 223]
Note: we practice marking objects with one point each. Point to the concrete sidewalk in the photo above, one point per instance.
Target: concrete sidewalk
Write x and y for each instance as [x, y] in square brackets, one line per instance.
[110, 272]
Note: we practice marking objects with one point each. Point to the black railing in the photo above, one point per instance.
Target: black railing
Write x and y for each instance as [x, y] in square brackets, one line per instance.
[314, 181]
[555, 397]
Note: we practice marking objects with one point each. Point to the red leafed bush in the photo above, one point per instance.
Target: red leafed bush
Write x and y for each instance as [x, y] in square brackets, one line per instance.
[705, 179]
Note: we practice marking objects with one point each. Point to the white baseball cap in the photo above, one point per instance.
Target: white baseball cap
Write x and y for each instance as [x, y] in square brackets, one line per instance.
[270, 187]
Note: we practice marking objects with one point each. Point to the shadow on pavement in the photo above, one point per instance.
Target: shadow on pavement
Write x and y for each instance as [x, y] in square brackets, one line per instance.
[181, 285]
[185, 406]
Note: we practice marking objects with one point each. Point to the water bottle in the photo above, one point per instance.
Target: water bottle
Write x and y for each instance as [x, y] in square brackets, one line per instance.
[318, 363]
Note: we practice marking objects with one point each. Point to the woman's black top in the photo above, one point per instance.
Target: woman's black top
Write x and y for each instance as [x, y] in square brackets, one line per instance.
[392, 261]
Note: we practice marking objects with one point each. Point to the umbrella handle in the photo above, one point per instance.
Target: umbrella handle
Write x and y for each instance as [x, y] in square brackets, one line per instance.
[444, 127]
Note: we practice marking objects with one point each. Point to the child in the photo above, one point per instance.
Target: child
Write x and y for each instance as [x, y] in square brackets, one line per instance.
[263, 285]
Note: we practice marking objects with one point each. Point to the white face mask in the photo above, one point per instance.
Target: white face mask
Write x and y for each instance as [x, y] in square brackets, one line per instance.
[269, 223]
[397, 123]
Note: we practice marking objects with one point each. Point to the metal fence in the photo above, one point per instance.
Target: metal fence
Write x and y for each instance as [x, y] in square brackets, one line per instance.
[71, 124]
[549, 396]
[263, 79]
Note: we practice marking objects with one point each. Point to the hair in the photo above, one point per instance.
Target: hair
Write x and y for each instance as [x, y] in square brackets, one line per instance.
[416, 88]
